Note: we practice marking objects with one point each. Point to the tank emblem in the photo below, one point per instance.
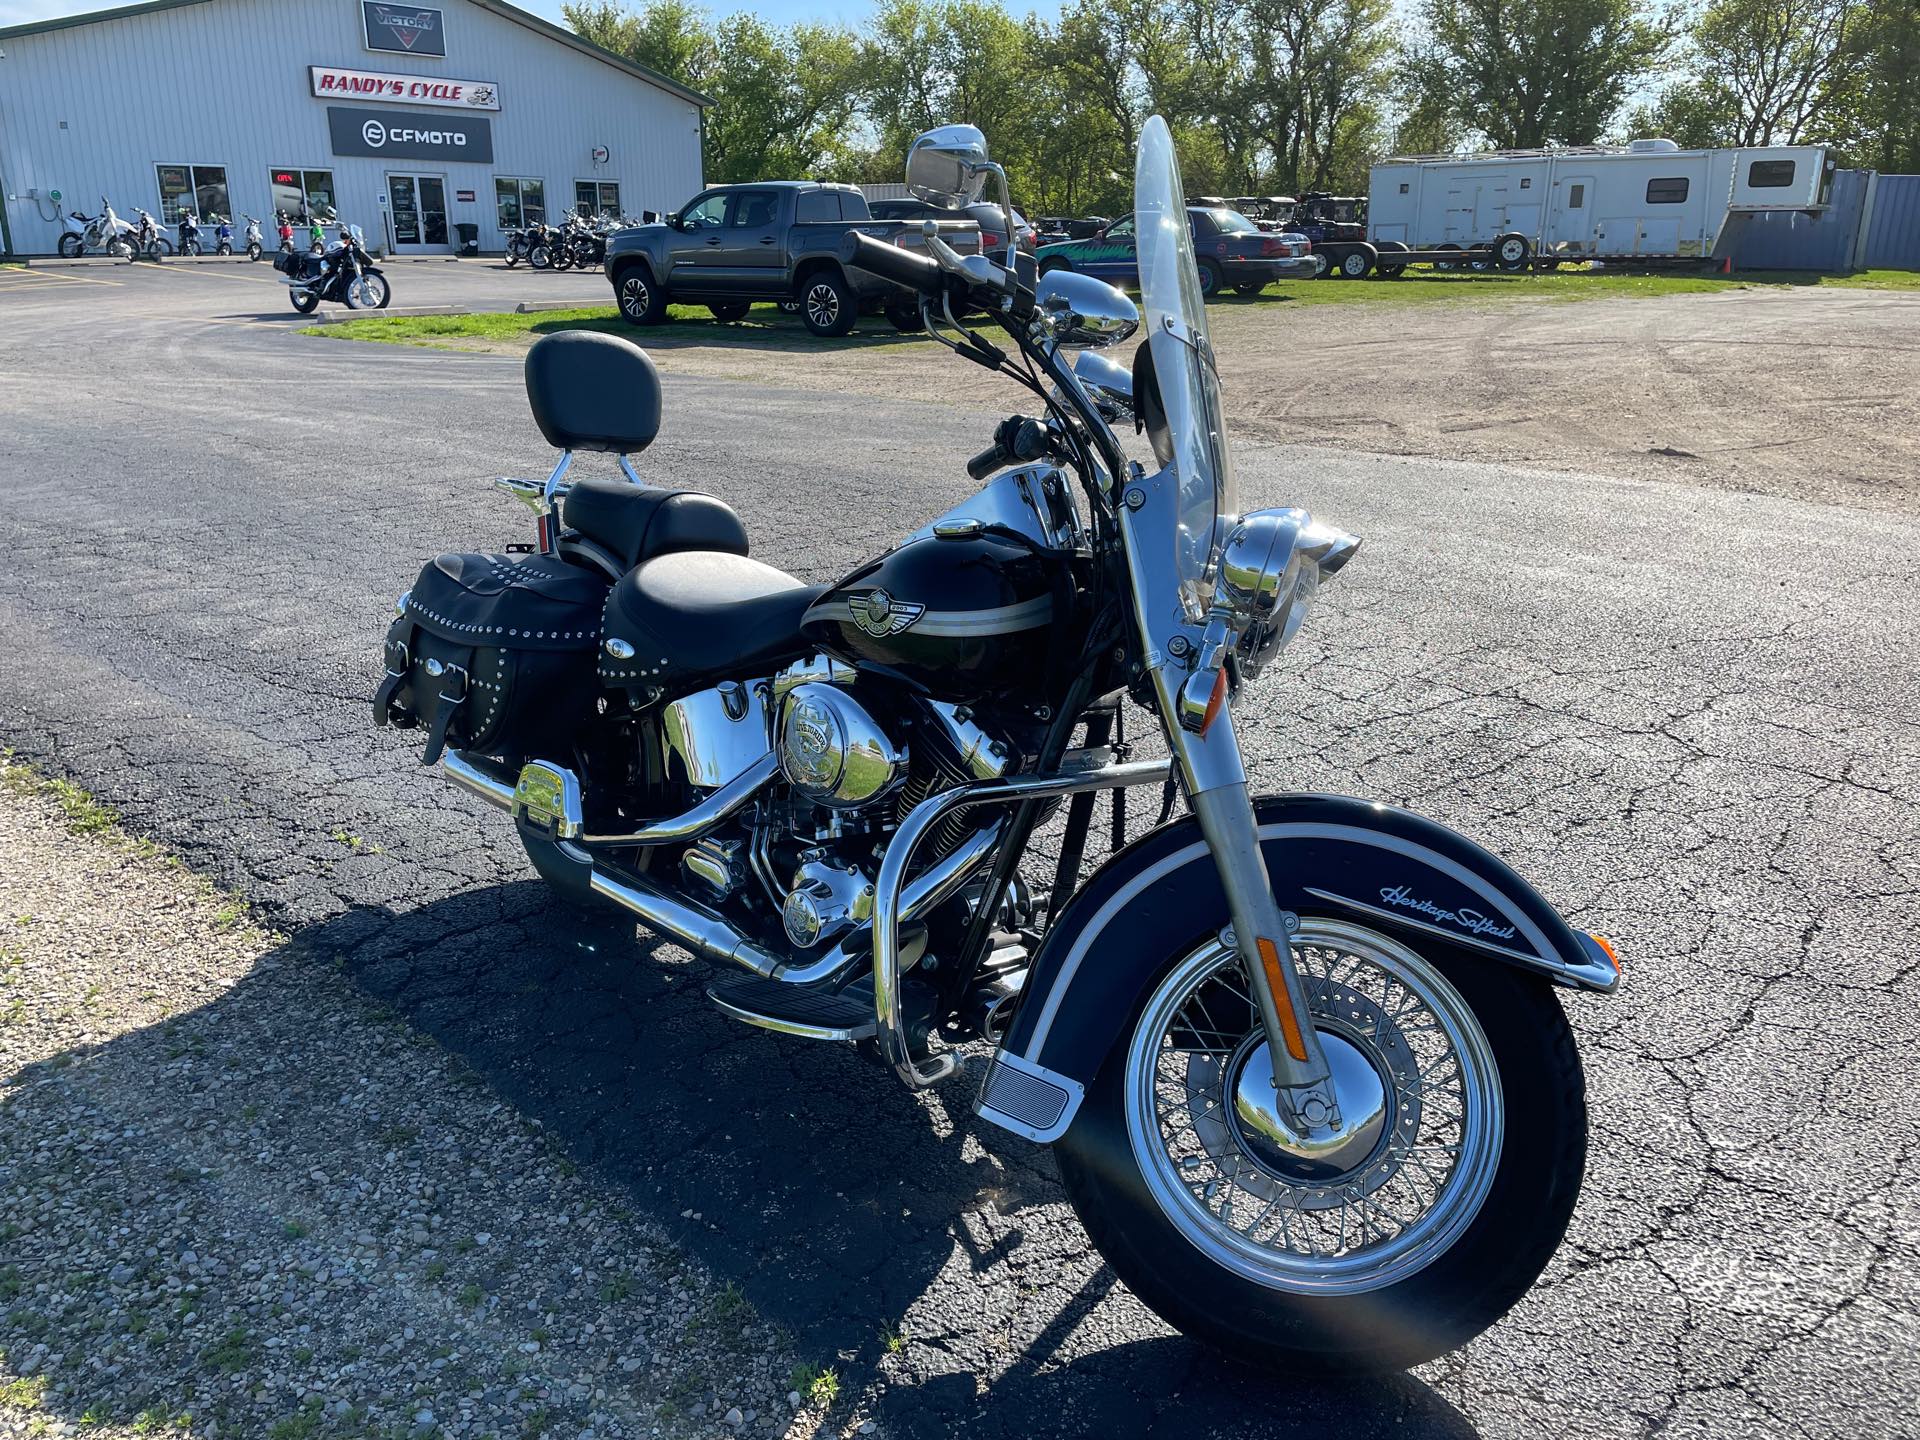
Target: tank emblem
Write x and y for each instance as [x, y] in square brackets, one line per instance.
[880, 615]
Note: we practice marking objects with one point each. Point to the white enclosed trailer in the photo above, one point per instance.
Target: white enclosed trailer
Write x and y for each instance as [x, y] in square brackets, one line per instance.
[1648, 200]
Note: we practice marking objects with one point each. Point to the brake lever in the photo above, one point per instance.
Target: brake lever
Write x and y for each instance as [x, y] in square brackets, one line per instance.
[954, 263]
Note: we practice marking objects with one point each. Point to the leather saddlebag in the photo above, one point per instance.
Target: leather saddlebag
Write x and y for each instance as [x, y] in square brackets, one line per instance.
[494, 654]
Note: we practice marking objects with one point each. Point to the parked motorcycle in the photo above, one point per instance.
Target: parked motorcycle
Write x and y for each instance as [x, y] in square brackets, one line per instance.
[285, 232]
[106, 232]
[519, 242]
[345, 275]
[1299, 1056]
[189, 233]
[147, 238]
[222, 234]
[255, 246]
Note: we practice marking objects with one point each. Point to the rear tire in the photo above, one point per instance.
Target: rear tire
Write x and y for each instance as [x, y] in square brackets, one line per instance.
[828, 305]
[1513, 251]
[1317, 1317]
[1384, 268]
[306, 302]
[641, 301]
[69, 246]
[540, 257]
[729, 311]
[1355, 264]
[904, 319]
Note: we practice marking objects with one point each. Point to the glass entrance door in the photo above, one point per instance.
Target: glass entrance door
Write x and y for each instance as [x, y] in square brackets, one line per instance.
[418, 204]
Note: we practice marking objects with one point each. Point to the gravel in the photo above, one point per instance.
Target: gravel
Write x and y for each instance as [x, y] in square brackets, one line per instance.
[239, 1199]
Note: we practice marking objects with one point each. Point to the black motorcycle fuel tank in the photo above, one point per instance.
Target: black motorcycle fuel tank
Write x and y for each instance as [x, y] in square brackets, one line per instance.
[961, 617]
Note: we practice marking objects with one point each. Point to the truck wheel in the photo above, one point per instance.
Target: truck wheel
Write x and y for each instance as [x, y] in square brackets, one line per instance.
[828, 305]
[1355, 264]
[641, 301]
[1324, 267]
[1481, 260]
[1449, 266]
[728, 311]
[905, 318]
[1384, 268]
[1513, 251]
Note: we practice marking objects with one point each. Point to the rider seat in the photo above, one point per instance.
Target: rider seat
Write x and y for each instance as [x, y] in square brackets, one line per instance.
[679, 618]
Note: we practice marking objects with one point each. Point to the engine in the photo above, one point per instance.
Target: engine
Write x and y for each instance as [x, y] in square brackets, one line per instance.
[854, 764]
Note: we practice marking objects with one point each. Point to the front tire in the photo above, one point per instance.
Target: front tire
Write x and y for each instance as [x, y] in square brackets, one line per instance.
[253, 252]
[1212, 280]
[641, 301]
[1460, 1178]
[828, 305]
[369, 292]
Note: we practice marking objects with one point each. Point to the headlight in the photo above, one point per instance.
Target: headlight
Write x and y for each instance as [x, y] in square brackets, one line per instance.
[1270, 570]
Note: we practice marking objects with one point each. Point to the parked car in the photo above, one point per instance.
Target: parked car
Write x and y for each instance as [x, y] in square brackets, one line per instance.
[993, 225]
[1230, 250]
[773, 240]
[1055, 228]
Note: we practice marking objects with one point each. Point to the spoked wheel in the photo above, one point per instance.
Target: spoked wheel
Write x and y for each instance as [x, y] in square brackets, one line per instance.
[829, 306]
[70, 246]
[1399, 1236]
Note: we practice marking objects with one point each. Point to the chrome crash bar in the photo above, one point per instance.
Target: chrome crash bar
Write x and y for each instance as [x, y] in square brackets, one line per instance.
[892, 894]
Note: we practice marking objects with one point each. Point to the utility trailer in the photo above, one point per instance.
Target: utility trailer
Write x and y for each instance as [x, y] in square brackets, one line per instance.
[1645, 202]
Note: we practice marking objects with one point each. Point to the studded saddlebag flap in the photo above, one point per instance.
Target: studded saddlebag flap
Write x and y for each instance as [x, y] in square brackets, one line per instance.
[494, 654]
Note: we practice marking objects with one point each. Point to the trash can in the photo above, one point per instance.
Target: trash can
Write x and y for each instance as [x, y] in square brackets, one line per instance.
[469, 237]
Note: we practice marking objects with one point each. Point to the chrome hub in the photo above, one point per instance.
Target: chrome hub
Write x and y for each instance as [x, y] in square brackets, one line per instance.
[1324, 1153]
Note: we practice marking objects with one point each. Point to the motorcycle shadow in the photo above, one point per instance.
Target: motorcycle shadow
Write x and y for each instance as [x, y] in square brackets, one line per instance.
[890, 1234]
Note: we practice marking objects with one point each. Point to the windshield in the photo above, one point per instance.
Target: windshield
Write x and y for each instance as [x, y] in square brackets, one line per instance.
[1176, 320]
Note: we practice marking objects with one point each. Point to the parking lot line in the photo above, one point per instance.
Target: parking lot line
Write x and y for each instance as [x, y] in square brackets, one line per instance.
[216, 275]
[48, 275]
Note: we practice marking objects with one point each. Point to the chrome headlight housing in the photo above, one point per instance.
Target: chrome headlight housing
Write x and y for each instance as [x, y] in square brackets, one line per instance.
[1270, 569]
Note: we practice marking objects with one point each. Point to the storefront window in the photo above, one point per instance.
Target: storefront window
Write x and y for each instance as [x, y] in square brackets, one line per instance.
[199, 188]
[597, 197]
[519, 202]
[303, 192]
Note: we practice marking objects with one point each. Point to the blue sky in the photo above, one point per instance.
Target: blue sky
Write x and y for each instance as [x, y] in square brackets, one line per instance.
[18, 12]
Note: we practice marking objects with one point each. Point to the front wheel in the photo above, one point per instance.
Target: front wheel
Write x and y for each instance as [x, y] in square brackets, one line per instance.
[641, 301]
[828, 306]
[253, 250]
[1212, 280]
[1397, 1239]
[369, 291]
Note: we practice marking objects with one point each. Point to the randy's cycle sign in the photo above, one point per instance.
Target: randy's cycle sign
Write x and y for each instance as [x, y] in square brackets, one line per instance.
[409, 135]
[403, 29]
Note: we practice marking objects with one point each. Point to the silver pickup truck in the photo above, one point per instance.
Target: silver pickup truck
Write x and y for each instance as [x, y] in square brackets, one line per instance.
[776, 240]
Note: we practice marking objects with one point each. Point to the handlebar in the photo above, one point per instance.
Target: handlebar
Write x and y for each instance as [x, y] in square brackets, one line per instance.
[1018, 437]
[890, 262]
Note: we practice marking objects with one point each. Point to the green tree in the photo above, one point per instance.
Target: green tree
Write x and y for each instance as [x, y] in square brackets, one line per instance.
[1552, 71]
[1764, 71]
[1875, 119]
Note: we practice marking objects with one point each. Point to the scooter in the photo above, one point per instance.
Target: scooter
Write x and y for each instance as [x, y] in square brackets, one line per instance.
[254, 246]
[189, 233]
[286, 231]
[1300, 1056]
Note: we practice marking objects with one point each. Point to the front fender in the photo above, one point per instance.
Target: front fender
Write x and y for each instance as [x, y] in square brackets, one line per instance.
[1327, 855]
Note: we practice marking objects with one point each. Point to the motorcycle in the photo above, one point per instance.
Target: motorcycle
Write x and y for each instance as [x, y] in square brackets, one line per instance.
[1299, 1056]
[105, 231]
[345, 275]
[147, 238]
[222, 234]
[189, 244]
[285, 231]
[255, 247]
[520, 241]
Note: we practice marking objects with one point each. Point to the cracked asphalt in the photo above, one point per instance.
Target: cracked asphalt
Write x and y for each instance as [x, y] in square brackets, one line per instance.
[1688, 715]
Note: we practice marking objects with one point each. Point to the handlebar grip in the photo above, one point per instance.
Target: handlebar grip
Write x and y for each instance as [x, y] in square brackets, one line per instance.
[890, 262]
[988, 461]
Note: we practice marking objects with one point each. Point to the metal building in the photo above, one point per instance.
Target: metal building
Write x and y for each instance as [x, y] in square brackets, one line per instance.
[408, 120]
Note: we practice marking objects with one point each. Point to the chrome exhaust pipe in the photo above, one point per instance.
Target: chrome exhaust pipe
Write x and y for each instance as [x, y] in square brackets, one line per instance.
[478, 777]
[701, 930]
[468, 776]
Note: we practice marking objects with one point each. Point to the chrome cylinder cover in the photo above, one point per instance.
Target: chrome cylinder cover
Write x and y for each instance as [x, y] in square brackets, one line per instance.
[832, 751]
[716, 734]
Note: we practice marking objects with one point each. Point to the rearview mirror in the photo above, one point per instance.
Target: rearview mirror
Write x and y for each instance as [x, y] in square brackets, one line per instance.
[948, 166]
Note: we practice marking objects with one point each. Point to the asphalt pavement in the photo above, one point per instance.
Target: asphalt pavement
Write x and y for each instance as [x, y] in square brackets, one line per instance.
[1689, 716]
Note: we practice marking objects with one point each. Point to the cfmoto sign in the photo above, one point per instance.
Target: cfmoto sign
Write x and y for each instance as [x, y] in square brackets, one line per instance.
[403, 135]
